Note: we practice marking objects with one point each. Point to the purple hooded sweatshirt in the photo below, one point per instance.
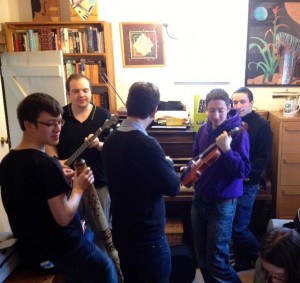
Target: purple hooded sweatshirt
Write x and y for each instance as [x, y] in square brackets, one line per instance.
[224, 178]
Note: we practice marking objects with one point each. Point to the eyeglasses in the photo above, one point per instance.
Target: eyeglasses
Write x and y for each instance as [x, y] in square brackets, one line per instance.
[280, 277]
[53, 124]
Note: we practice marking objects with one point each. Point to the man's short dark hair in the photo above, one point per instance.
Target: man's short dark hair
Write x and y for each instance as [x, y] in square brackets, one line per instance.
[143, 98]
[218, 94]
[76, 76]
[30, 108]
[245, 90]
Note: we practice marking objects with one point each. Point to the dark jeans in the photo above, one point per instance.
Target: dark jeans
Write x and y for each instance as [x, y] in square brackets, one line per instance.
[145, 262]
[87, 264]
[212, 227]
[245, 244]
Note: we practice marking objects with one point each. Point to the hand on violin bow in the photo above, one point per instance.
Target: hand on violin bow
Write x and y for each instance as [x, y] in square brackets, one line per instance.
[223, 142]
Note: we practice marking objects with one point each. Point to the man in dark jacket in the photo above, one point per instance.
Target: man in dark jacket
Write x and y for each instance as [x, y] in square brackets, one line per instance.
[245, 244]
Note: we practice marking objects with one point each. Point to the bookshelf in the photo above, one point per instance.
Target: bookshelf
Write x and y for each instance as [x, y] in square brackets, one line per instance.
[87, 47]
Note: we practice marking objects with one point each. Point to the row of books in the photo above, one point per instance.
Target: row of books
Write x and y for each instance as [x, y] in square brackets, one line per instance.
[86, 40]
[101, 100]
[94, 70]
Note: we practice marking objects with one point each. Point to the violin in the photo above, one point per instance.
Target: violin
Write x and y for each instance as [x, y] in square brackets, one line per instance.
[191, 173]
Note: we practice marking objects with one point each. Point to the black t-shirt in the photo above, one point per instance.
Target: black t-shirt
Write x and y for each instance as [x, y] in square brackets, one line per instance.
[28, 179]
[73, 135]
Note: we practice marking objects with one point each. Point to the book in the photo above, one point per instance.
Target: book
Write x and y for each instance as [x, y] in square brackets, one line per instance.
[97, 99]
[31, 40]
[94, 73]
[90, 41]
[66, 43]
[101, 71]
[46, 38]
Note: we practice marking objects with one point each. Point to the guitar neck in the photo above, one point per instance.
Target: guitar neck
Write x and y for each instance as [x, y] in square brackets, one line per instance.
[82, 148]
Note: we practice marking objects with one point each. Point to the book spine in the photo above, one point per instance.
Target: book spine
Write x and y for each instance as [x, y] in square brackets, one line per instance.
[58, 39]
[66, 40]
[31, 40]
[94, 73]
[90, 42]
[95, 39]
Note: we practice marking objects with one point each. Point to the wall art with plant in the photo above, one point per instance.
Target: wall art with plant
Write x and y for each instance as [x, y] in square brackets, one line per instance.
[273, 43]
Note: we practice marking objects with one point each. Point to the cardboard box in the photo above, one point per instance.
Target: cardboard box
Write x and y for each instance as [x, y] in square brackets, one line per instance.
[45, 11]
[62, 10]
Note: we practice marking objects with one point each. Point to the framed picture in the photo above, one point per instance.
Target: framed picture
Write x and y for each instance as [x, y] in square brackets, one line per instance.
[142, 44]
[273, 43]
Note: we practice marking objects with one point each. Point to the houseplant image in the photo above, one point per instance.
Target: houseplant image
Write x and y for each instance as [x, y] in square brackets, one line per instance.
[273, 46]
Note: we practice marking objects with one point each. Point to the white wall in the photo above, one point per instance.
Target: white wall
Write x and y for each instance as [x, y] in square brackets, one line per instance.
[212, 43]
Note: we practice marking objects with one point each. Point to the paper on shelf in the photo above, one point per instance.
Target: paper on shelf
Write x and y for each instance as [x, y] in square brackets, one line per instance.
[171, 114]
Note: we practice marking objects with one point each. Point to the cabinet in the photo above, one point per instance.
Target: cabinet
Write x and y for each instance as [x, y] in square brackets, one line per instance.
[80, 44]
[285, 164]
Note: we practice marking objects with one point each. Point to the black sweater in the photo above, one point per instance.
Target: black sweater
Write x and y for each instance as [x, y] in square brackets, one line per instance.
[260, 137]
[138, 177]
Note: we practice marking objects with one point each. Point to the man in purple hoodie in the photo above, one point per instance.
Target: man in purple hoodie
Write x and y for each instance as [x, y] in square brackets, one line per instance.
[218, 187]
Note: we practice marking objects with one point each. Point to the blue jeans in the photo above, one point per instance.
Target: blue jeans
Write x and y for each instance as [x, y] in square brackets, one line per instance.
[145, 261]
[212, 227]
[245, 244]
[87, 264]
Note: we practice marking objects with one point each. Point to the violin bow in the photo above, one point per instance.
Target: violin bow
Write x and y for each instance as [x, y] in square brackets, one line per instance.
[99, 217]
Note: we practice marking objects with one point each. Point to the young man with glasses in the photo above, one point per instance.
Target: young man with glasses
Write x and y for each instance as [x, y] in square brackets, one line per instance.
[42, 206]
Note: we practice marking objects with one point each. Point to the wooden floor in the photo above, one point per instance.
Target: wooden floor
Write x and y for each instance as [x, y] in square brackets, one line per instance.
[20, 275]
[245, 276]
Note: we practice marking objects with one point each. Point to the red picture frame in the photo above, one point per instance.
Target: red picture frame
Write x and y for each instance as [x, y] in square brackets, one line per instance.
[142, 44]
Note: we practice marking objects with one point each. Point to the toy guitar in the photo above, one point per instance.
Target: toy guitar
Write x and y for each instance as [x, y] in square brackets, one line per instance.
[108, 124]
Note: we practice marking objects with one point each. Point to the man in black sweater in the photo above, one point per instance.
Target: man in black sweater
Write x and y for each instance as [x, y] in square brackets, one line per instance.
[139, 174]
[245, 244]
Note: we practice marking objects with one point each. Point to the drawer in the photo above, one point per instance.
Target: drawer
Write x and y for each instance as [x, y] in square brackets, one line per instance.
[290, 170]
[290, 137]
[288, 202]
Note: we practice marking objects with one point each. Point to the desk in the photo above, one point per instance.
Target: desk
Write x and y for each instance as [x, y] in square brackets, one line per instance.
[178, 144]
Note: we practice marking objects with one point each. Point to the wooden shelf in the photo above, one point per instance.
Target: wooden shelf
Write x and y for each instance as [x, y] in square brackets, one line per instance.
[11, 28]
